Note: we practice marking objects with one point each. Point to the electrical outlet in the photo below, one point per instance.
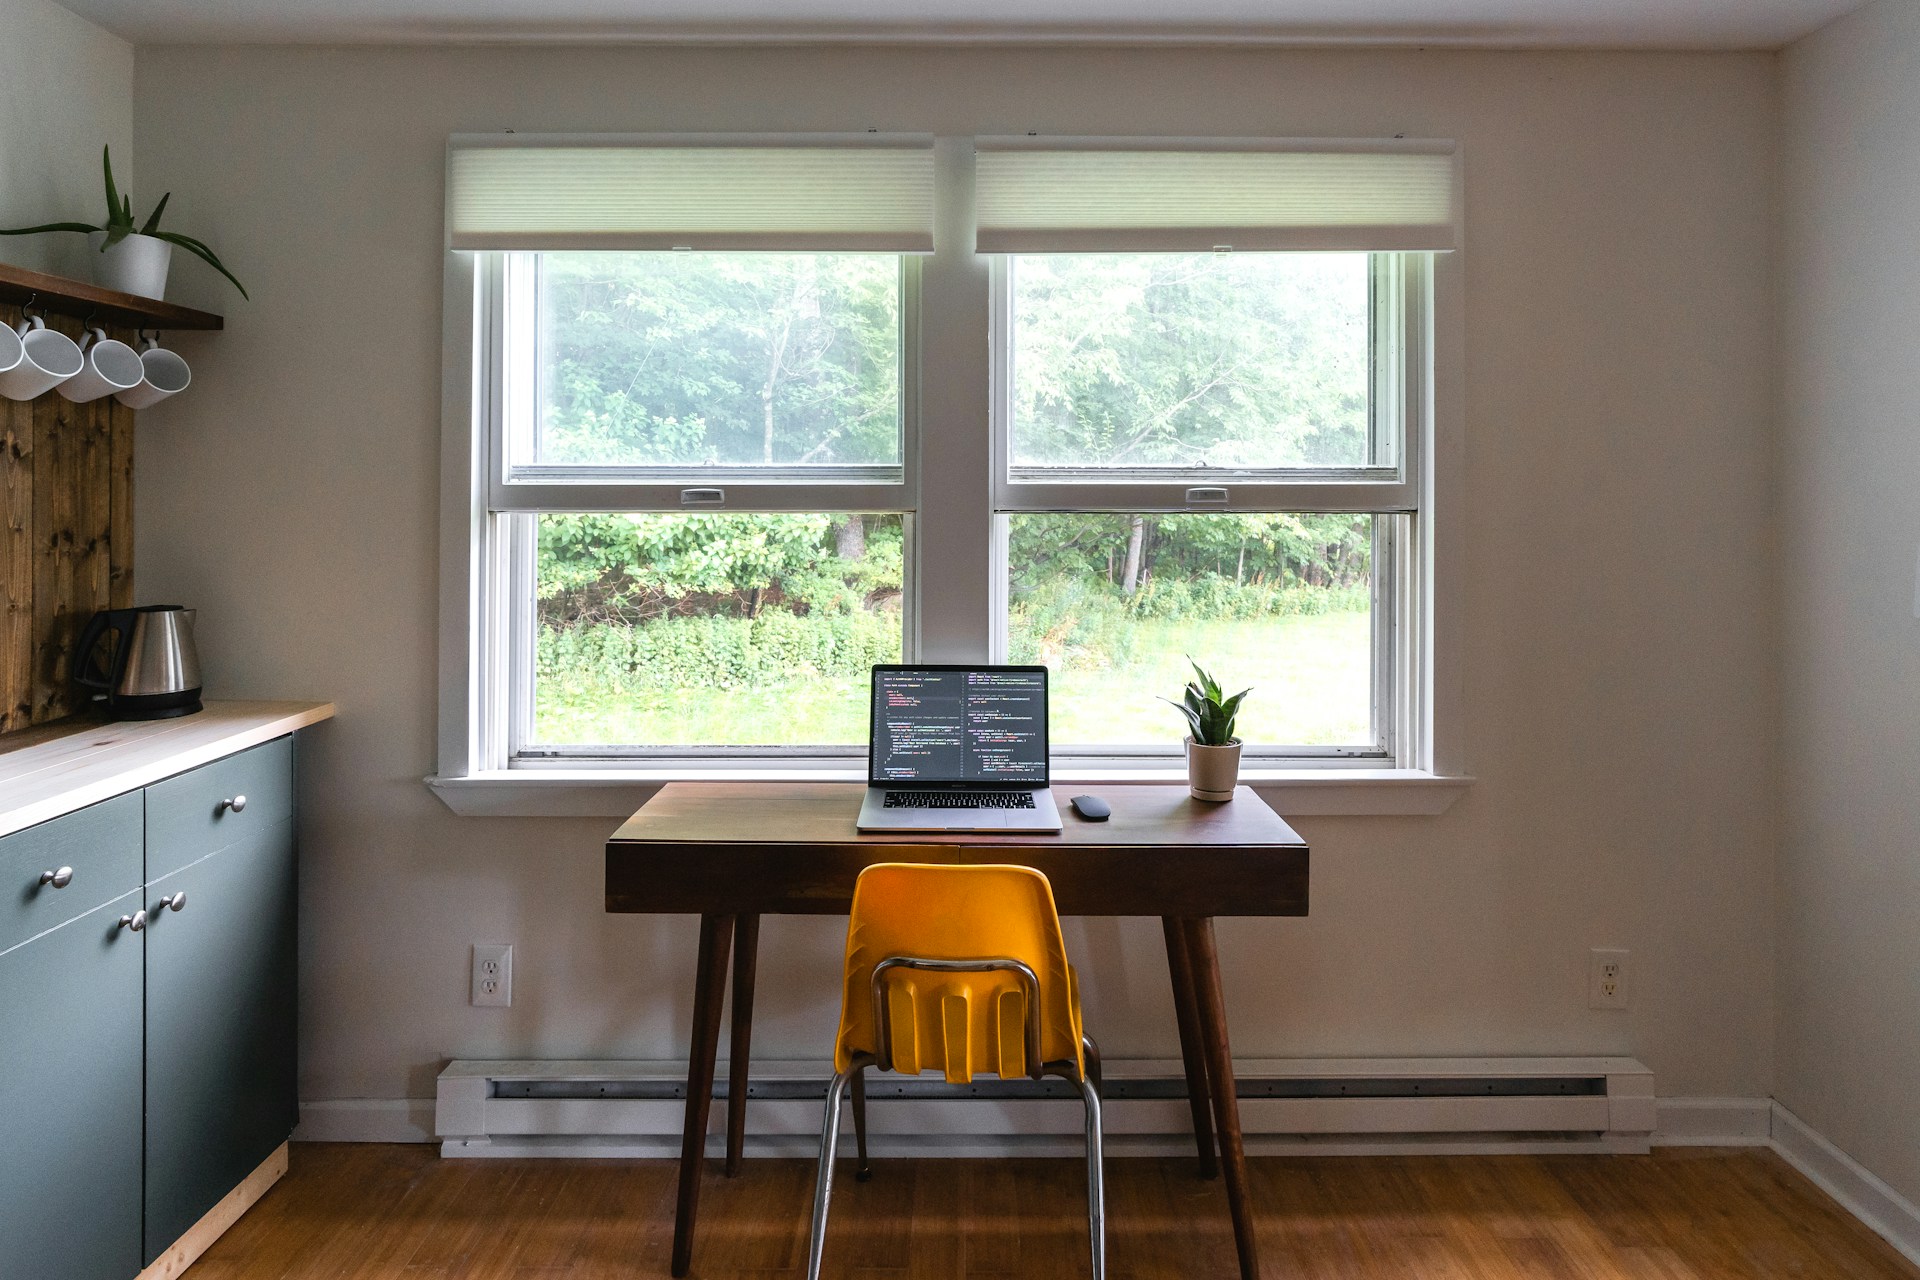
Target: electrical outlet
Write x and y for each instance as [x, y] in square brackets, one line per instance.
[492, 973]
[1607, 979]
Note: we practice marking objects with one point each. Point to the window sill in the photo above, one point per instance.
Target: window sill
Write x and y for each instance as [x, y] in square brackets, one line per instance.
[617, 793]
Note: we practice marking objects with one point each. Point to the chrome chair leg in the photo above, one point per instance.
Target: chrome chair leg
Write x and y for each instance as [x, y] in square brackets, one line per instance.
[863, 1171]
[1096, 1178]
[823, 1180]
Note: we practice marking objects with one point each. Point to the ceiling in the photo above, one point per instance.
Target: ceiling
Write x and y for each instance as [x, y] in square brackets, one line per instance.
[1669, 24]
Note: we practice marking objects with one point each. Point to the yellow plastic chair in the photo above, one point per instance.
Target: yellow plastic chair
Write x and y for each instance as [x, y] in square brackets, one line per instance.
[962, 970]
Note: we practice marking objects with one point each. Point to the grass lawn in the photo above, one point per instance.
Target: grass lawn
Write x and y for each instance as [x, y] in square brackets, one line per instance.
[1310, 676]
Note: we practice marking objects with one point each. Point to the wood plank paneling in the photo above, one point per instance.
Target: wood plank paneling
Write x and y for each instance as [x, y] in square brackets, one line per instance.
[56, 454]
[66, 481]
[16, 628]
[120, 508]
[375, 1213]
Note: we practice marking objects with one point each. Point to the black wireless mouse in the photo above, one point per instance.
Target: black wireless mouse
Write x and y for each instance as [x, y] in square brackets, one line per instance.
[1092, 808]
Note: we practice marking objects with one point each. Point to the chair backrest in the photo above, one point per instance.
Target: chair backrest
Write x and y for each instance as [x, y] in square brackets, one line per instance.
[959, 1023]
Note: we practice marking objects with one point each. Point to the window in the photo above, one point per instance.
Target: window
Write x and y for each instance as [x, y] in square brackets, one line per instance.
[717, 473]
[653, 629]
[1113, 604]
[671, 630]
[1134, 379]
[704, 364]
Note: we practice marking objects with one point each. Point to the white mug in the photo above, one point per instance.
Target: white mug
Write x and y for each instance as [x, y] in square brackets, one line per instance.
[111, 366]
[166, 374]
[11, 350]
[48, 358]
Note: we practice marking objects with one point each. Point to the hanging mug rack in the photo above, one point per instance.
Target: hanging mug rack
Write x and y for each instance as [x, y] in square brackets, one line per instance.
[36, 359]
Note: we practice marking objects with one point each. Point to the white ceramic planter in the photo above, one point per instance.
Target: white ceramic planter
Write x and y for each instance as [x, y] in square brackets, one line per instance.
[1212, 772]
[137, 265]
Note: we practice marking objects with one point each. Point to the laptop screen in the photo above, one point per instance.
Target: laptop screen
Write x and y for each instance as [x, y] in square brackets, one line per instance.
[977, 726]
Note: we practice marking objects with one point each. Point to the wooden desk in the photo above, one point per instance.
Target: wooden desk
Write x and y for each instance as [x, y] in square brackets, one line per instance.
[733, 852]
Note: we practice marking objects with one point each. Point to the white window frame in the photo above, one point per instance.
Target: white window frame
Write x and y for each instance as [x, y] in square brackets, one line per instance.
[515, 496]
[1401, 296]
[953, 427]
[511, 408]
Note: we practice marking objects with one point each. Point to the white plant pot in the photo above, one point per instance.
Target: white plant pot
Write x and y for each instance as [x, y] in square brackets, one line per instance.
[137, 265]
[1213, 772]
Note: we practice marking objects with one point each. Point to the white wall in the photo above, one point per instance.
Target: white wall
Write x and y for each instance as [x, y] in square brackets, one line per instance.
[1849, 948]
[1618, 632]
[66, 90]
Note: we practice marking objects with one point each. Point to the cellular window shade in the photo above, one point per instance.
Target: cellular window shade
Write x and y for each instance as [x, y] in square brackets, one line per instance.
[1163, 196]
[865, 195]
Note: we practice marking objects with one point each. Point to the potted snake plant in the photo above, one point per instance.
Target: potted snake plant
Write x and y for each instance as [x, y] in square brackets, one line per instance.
[1213, 752]
[129, 257]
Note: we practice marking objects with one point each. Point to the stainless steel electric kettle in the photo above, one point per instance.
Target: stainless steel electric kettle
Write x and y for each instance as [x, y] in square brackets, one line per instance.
[153, 672]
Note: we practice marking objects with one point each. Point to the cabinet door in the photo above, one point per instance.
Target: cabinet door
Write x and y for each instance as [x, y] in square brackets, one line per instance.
[218, 804]
[221, 987]
[63, 869]
[70, 1101]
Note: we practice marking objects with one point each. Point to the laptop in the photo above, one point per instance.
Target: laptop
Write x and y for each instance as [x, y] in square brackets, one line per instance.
[958, 748]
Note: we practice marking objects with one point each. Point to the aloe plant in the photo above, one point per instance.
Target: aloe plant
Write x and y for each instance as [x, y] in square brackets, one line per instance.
[120, 224]
[1208, 713]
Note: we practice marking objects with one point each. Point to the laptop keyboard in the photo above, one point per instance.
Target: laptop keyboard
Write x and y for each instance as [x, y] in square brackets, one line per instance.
[959, 800]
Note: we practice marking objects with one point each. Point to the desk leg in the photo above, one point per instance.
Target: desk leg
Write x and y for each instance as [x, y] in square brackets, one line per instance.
[746, 950]
[1187, 1014]
[709, 987]
[1226, 1104]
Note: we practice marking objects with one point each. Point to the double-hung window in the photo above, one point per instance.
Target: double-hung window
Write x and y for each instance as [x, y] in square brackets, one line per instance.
[1182, 407]
[696, 510]
[1210, 403]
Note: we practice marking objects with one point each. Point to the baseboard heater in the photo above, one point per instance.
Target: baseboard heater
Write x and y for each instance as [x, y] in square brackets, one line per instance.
[1322, 1105]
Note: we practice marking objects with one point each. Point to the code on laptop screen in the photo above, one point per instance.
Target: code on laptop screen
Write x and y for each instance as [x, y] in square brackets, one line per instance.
[983, 724]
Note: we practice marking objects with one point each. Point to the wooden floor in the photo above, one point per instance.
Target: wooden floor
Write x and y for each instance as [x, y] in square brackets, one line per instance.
[401, 1213]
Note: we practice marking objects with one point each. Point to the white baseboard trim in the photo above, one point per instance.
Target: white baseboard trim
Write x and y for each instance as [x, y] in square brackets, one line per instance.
[1713, 1122]
[1892, 1216]
[366, 1120]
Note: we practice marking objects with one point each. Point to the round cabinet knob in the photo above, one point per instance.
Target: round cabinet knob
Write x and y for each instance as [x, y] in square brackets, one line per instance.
[238, 804]
[135, 922]
[175, 902]
[58, 879]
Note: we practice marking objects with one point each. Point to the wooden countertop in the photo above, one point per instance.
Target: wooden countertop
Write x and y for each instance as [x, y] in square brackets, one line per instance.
[59, 768]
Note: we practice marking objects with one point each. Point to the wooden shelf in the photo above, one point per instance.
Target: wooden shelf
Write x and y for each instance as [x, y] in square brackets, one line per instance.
[71, 297]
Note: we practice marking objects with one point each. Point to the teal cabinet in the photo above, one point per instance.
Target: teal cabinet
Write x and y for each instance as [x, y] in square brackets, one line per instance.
[220, 1026]
[192, 814]
[70, 1049]
[148, 988]
[61, 870]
